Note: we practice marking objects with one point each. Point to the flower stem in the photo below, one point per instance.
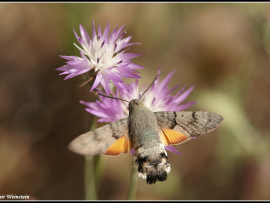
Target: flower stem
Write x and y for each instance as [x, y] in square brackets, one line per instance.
[133, 184]
[90, 185]
[99, 169]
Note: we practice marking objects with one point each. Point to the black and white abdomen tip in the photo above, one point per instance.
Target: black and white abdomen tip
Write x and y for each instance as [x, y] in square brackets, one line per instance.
[152, 167]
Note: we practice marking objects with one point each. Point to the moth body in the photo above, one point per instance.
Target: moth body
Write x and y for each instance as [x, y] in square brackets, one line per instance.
[150, 156]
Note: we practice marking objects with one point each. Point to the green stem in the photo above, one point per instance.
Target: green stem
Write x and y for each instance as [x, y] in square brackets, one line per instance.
[133, 184]
[99, 169]
[90, 185]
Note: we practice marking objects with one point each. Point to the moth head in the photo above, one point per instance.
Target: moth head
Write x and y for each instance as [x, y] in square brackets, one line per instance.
[135, 103]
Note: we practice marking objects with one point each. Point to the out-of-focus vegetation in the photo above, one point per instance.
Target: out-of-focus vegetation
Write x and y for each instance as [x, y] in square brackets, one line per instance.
[222, 49]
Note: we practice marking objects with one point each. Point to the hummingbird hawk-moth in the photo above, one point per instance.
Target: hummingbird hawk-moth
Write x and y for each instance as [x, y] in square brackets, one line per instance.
[147, 132]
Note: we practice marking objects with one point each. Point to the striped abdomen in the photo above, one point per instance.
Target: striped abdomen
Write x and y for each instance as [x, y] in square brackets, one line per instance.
[150, 155]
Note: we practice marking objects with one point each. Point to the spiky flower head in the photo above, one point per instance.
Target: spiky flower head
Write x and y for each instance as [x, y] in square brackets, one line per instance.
[103, 55]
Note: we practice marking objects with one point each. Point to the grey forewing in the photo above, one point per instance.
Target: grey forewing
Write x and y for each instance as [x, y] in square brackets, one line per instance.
[98, 140]
[117, 128]
[189, 123]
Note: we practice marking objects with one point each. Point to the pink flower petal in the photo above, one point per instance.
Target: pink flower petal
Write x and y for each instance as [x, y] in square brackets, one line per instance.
[172, 149]
[184, 95]
[93, 31]
[97, 81]
[84, 34]
[132, 151]
[106, 31]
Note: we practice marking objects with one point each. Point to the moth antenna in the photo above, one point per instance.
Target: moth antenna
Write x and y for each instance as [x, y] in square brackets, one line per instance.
[150, 85]
[112, 97]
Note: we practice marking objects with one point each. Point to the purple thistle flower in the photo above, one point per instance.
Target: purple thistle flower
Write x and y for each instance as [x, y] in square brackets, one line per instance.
[157, 98]
[101, 53]
[108, 110]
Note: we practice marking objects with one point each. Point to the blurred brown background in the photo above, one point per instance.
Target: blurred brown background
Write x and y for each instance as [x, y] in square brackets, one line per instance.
[221, 49]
